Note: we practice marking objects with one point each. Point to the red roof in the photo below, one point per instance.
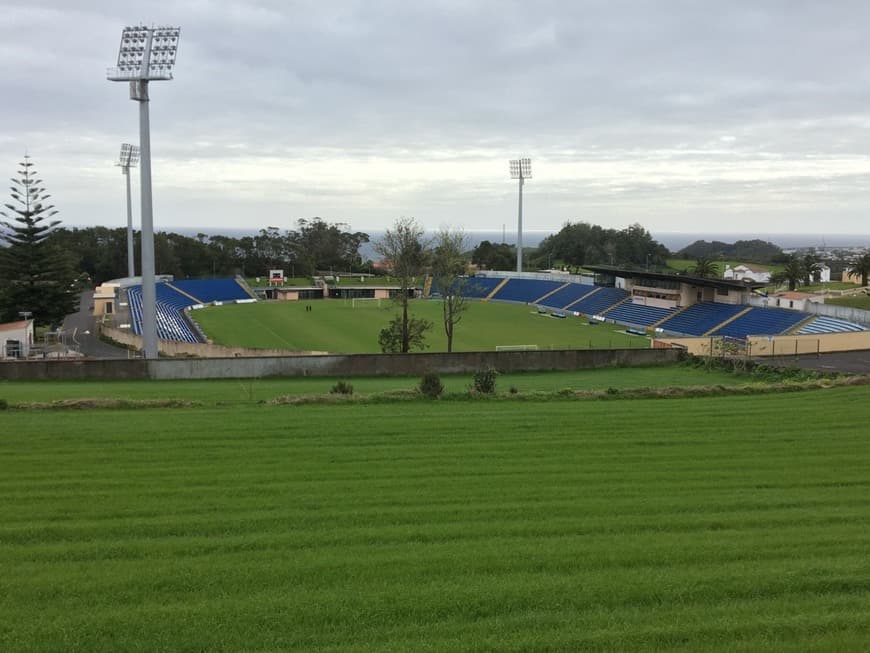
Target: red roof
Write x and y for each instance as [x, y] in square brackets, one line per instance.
[14, 326]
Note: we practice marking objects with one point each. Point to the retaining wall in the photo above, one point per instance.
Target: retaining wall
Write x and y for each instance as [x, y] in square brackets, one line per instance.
[337, 365]
[775, 345]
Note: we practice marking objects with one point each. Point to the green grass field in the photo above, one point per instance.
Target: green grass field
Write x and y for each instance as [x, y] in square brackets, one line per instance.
[715, 524]
[338, 326]
[856, 301]
[226, 391]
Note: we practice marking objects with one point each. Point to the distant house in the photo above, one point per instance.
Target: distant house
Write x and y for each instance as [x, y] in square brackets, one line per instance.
[748, 272]
[16, 339]
[794, 300]
[824, 275]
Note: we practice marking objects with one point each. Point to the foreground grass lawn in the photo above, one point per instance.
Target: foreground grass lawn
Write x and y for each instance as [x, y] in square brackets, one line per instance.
[730, 524]
[254, 390]
[336, 326]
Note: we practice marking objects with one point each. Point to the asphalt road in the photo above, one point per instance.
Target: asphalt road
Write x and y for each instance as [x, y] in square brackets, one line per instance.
[80, 332]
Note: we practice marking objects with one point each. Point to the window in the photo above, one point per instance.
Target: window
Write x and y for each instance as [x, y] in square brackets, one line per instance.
[13, 349]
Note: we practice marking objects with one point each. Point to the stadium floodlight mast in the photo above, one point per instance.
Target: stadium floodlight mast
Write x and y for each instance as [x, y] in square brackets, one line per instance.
[128, 159]
[146, 54]
[520, 169]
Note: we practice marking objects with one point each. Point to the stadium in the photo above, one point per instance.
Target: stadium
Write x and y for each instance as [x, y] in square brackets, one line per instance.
[700, 315]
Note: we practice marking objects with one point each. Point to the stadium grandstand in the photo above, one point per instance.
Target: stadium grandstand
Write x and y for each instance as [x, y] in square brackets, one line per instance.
[660, 303]
[173, 301]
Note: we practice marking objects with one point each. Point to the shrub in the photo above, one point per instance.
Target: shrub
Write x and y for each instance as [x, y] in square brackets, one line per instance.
[514, 390]
[342, 388]
[4, 404]
[484, 380]
[430, 384]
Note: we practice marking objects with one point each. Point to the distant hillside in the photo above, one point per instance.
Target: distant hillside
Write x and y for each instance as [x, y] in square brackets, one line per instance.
[755, 251]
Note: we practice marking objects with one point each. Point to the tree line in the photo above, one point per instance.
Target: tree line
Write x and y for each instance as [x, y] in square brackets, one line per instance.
[314, 245]
[578, 244]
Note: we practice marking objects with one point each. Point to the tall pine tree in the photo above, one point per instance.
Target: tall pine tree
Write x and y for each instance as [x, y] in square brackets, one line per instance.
[34, 276]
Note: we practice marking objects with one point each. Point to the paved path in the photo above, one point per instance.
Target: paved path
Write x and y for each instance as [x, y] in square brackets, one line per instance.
[80, 332]
[854, 362]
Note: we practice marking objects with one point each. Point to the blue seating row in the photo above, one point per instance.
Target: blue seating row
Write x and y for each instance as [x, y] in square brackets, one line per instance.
[823, 324]
[568, 295]
[212, 290]
[526, 291]
[762, 321]
[171, 325]
[637, 314]
[598, 302]
[699, 318]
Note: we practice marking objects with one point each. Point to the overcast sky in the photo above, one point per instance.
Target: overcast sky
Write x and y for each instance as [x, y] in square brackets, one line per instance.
[702, 116]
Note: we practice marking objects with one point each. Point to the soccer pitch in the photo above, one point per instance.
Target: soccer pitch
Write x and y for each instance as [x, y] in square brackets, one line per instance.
[721, 524]
[343, 326]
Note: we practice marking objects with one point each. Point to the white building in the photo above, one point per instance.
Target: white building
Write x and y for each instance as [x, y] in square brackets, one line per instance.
[16, 339]
[746, 271]
[824, 274]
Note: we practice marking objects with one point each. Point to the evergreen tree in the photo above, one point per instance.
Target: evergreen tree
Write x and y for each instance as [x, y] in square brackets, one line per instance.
[34, 276]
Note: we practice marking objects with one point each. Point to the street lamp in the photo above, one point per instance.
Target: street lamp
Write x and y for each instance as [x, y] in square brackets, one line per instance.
[520, 169]
[128, 159]
[146, 53]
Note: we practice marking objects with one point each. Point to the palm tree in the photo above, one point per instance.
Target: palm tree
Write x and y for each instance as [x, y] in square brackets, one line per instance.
[705, 268]
[861, 268]
[793, 272]
[812, 268]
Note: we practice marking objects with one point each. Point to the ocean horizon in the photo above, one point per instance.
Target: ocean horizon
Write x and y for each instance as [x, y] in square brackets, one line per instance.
[673, 240]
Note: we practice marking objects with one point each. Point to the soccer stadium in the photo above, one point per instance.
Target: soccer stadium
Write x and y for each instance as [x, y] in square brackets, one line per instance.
[701, 315]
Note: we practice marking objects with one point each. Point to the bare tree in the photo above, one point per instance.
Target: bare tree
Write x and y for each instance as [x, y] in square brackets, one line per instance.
[406, 254]
[448, 274]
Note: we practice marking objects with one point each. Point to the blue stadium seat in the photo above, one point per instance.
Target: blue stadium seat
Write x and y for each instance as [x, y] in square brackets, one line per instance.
[526, 291]
[474, 287]
[823, 324]
[171, 324]
[762, 321]
[637, 314]
[212, 290]
[571, 293]
[698, 319]
[598, 302]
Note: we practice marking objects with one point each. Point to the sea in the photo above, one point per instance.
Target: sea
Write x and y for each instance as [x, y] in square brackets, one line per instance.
[673, 240]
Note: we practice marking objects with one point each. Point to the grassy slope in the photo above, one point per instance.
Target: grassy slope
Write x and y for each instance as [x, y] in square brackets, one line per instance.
[712, 524]
[252, 390]
[336, 326]
[858, 301]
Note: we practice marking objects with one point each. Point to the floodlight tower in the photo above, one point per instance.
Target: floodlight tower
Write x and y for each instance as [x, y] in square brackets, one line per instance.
[128, 159]
[146, 53]
[520, 169]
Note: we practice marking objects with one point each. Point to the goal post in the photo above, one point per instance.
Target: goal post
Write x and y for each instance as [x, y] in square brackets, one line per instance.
[516, 347]
[363, 301]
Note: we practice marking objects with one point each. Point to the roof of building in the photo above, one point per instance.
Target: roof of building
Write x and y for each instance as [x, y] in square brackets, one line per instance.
[728, 284]
[750, 267]
[15, 326]
[793, 294]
